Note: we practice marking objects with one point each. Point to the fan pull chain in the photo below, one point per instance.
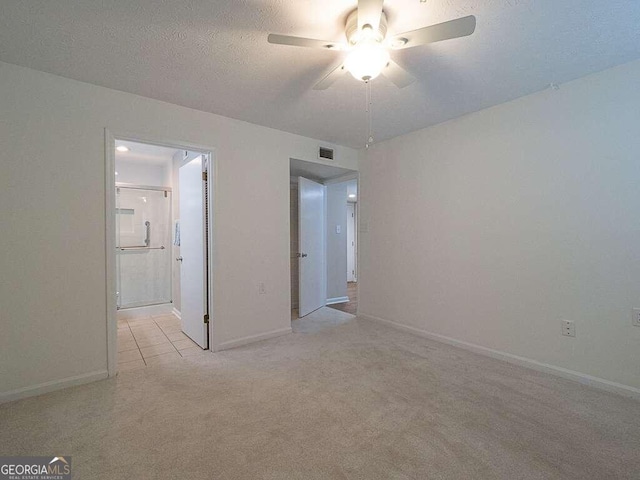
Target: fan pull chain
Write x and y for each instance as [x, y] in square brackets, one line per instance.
[369, 114]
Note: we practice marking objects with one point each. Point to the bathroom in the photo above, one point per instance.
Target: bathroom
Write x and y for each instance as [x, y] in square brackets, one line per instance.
[148, 257]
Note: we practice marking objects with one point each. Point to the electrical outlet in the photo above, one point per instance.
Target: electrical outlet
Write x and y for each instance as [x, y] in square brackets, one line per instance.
[262, 290]
[568, 328]
[635, 319]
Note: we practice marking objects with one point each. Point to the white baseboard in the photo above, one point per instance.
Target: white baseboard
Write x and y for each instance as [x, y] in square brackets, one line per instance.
[52, 386]
[176, 312]
[582, 378]
[333, 301]
[251, 339]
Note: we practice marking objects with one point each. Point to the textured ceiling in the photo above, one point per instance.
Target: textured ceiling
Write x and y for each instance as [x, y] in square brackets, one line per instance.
[213, 55]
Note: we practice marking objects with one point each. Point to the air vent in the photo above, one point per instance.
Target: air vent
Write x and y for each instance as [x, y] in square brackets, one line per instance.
[325, 153]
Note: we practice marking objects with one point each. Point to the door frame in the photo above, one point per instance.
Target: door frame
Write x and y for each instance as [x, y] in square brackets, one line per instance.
[355, 241]
[110, 138]
[353, 175]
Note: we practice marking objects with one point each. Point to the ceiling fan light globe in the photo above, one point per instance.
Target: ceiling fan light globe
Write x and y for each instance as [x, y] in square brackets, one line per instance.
[366, 60]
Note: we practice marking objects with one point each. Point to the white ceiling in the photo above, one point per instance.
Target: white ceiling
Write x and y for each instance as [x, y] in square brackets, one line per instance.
[318, 172]
[145, 153]
[322, 173]
[214, 55]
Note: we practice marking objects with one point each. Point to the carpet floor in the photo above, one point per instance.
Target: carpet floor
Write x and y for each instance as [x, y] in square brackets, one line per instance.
[340, 398]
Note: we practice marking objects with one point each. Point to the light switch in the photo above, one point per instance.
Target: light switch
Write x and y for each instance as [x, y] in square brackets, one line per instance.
[338, 229]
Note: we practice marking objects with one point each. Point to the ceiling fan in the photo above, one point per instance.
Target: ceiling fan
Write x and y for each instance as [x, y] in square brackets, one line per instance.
[368, 47]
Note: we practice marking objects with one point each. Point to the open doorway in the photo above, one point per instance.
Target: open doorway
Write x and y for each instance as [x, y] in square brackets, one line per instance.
[159, 253]
[319, 237]
[351, 306]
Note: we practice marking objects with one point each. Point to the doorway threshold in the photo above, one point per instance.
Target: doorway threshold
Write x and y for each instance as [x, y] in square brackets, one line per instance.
[146, 311]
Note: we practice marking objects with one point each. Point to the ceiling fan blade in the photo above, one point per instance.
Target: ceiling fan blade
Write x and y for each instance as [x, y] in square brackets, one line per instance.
[302, 42]
[369, 12]
[327, 81]
[398, 75]
[460, 27]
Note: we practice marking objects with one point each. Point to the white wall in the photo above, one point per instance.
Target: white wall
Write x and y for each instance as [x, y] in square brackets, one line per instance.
[143, 173]
[336, 242]
[491, 228]
[53, 220]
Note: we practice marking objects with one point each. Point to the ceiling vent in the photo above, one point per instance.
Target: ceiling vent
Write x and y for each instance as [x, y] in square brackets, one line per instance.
[325, 153]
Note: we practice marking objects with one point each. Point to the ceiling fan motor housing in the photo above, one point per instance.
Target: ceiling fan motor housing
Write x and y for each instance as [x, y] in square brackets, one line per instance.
[353, 34]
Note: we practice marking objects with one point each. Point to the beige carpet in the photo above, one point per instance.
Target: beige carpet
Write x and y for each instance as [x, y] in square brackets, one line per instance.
[340, 398]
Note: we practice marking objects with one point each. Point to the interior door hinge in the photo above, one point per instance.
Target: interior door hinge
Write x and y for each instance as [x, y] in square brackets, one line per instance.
[206, 318]
[204, 176]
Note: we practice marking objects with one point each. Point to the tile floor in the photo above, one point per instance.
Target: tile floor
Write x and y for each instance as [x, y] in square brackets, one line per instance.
[150, 340]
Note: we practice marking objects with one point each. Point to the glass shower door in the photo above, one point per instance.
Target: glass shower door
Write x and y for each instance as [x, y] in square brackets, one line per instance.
[143, 241]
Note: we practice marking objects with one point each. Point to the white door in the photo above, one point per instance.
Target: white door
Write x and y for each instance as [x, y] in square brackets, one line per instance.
[193, 281]
[311, 246]
[351, 242]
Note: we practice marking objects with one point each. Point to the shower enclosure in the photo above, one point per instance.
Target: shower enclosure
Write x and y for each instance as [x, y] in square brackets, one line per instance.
[143, 245]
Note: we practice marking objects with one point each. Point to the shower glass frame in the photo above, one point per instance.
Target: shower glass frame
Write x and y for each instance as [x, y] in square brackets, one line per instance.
[151, 249]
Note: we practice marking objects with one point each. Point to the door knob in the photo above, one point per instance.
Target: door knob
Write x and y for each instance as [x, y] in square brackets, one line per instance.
[303, 255]
[179, 259]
